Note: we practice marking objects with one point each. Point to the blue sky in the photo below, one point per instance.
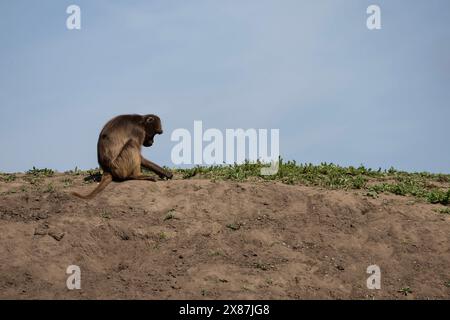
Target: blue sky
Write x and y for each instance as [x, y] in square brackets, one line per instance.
[337, 91]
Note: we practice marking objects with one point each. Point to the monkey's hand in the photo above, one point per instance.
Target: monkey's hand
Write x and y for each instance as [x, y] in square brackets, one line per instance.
[168, 175]
[165, 175]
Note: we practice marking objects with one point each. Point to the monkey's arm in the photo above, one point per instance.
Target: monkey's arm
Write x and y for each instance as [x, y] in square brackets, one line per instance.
[155, 168]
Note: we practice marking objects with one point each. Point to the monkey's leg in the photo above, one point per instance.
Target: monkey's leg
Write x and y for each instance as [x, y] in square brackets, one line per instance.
[146, 178]
[128, 162]
[155, 168]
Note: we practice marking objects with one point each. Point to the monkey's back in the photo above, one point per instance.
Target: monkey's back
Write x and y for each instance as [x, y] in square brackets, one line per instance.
[115, 135]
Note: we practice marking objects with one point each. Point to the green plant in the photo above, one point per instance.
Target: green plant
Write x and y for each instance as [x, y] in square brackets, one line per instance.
[170, 215]
[372, 194]
[405, 291]
[34, 180]
[50, 188]
[8, 177]
[439, 196]
[204, 292]
[214, 253]
[93, 175]
[67, 182]
[162, 235]
[105, 214]
[443, 210]
[74, 172]
[359, 182]
[41, 172]
[234, 226]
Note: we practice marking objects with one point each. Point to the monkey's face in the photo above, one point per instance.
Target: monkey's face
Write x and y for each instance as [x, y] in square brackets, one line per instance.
[153, 127]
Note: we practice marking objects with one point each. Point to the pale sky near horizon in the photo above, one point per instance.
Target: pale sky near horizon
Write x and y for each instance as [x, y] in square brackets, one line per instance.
[337, 91]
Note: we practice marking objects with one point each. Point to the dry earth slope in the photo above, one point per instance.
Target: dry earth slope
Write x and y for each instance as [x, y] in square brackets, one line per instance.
[197, 238]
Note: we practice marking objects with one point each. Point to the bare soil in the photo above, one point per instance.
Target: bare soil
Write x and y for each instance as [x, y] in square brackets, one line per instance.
[200, 239]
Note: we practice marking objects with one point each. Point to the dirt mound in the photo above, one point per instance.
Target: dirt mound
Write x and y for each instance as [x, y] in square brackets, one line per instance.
[197, 238]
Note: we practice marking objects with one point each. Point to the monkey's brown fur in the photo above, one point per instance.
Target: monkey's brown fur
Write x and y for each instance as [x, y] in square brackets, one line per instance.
[119, 150]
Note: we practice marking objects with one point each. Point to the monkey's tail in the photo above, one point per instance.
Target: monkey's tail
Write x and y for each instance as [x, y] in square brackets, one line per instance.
[106, 179]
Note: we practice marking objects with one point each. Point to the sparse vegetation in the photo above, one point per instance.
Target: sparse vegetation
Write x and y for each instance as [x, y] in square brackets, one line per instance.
[433, 188]
[405, 291]
[33, 180]
[215, 253]
[67, 182]
[439, 196]
[8, 177]
[204, 292]
[170, 215]
[443, 210]
[93, 175]
[35, 176]
[75, 172]
[162, 235]
[50, 188]
[234, 226]
[105, 214]
[372, 194]
[41, 172]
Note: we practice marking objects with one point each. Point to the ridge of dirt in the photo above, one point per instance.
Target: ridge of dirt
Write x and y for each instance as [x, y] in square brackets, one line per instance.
[202, 239]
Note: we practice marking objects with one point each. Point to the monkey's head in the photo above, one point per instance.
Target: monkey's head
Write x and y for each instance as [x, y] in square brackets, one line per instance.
[152, 125]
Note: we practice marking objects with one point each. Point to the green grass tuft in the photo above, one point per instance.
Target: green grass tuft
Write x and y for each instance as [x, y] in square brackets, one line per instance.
[8, 177]
[41, 172]
[93, 175]
[443, 210]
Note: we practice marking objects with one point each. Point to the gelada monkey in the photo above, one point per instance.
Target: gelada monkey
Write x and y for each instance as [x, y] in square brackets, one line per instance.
[119, 150]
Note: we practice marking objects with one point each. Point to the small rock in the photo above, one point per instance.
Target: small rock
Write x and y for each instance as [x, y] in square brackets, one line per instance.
[56, 235]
